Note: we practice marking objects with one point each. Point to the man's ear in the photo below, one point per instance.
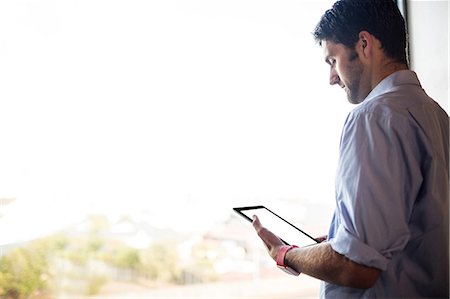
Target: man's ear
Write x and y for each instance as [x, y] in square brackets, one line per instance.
[365, 44]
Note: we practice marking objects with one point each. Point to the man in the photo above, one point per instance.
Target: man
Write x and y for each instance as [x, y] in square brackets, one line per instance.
[389, 234]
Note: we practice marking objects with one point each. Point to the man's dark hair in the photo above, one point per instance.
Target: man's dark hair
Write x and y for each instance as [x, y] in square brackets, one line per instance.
[381, 18]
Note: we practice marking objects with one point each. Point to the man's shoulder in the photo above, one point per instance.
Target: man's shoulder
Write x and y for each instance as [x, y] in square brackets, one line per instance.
[397, 102]
[395, 95]
[396, 112]
[387, 105]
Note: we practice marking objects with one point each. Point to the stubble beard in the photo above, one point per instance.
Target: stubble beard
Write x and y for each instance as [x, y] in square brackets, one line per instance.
[353, 89]
[353, 93]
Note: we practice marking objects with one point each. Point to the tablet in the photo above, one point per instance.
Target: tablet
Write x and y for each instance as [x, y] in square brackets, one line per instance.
[286, 231]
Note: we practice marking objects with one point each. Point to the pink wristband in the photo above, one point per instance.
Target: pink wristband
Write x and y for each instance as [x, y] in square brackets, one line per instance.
[280, 260]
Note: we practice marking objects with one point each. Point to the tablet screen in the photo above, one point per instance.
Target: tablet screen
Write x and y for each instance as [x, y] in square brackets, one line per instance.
[289, 233]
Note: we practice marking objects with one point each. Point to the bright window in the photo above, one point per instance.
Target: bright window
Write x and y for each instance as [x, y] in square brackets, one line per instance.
[129, 130]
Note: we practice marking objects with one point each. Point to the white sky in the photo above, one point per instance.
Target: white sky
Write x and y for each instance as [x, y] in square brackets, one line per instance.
[117, 106]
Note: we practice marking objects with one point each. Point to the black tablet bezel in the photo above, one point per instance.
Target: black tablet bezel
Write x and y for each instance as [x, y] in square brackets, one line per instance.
[240, 209]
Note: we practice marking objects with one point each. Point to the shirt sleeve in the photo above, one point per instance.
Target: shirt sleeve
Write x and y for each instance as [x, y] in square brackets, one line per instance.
[376, 185]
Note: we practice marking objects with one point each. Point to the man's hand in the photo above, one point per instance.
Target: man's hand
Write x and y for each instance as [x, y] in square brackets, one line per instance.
[321, 239]
[321, 261]
[272, 242]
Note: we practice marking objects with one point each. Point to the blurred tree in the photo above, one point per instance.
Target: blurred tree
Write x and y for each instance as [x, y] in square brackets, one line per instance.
[22, 273]
[127, 257]
[160, 262]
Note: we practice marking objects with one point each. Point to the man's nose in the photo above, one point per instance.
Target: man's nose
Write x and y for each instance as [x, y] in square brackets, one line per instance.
[334, 78]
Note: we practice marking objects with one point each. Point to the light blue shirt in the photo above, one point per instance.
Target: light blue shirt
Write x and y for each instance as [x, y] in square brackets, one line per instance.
[392, 192]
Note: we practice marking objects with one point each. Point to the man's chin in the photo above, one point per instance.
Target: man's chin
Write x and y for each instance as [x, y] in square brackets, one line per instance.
[354, 99]
[350, 97]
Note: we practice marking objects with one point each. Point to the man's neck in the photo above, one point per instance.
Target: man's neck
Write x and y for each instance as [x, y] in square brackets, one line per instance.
[385, 69]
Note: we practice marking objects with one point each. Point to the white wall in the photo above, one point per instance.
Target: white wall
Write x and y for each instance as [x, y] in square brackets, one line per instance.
[428, 27]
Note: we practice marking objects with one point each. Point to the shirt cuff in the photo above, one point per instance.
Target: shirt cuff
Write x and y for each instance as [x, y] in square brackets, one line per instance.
[348, 245]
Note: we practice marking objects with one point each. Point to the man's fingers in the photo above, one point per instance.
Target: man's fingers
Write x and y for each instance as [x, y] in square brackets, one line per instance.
[260, 230]
[321, 238]
[266, 235]
[256, 223]
[263, 232]
[270, 240]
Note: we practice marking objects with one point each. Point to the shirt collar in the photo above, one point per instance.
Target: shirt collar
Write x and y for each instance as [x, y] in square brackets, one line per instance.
[395, 79]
